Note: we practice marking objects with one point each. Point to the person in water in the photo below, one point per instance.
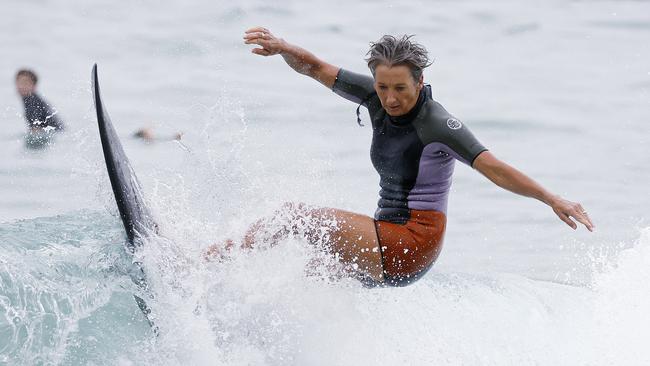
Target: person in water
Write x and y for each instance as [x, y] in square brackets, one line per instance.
[147, 135]
[414, 147]
[40, 115]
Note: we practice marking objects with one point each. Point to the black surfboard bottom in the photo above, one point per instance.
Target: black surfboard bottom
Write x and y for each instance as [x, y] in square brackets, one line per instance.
[134, 212]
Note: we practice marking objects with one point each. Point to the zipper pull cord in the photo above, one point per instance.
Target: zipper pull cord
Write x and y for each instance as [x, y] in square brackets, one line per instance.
[359, 115]
[359, 107]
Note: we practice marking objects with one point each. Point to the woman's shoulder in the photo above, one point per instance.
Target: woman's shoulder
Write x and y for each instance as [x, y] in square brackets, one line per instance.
[433, 114]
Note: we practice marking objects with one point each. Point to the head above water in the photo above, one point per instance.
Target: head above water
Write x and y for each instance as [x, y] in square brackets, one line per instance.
[397, 65]
[26, 82]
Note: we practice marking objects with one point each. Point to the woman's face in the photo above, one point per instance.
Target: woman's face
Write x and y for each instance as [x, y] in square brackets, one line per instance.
[397, 89]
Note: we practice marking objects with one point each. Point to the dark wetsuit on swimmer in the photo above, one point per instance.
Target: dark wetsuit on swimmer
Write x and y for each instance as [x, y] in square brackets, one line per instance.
[40, 115]
[414, 155]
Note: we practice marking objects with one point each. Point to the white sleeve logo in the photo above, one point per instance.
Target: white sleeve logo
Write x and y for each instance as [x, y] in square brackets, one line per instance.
[454, 124]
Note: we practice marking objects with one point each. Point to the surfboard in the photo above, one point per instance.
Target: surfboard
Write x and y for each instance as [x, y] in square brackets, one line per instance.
[135, 214]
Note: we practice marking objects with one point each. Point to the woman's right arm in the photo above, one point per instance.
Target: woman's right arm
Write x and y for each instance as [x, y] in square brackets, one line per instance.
[298, 58]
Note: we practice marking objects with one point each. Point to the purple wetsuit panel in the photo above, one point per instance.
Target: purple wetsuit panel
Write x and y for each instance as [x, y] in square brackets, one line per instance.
[433, 181]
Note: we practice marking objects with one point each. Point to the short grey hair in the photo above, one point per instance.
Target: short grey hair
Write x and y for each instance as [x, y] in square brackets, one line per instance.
[391, 51]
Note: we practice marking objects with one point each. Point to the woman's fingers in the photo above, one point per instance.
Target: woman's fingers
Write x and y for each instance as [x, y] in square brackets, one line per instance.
[258, 41]
[257, 29]
[264, 50]
[567, 220]
[262, 37]
[257, 32]
[261, 51]
[264, 44]
[567, 210]
[257, 35]
[579, 213]
[267, 48]
[591, 223]
[584, 219]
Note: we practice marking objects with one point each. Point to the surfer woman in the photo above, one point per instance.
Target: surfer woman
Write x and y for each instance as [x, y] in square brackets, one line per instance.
[415, 143]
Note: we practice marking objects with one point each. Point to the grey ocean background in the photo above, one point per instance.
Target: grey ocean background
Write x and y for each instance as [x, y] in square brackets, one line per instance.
[559, 89]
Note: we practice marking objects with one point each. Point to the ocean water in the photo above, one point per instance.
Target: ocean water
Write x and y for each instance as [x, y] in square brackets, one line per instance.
[559, 89]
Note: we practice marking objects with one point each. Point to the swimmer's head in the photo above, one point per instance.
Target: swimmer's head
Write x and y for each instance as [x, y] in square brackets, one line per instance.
[26, 82]
[146, 134]
[397, 65]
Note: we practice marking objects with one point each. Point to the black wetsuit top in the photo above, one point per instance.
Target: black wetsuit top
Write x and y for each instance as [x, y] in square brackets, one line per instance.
[39, 114]
[414, 154]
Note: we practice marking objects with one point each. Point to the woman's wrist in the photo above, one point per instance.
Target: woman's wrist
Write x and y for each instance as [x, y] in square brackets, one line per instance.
[551, 199]
[286, 48]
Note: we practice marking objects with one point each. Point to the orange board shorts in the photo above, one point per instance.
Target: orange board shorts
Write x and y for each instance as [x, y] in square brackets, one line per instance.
[408, 250]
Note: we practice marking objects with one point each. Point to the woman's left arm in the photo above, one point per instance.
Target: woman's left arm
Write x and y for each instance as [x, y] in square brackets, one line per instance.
[515, 181]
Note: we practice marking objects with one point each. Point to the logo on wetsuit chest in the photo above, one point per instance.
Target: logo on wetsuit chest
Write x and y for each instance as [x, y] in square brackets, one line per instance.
[454, 124]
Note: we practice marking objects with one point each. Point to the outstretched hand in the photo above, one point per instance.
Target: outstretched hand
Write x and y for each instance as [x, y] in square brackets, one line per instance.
[271, 45]
[566, 210]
